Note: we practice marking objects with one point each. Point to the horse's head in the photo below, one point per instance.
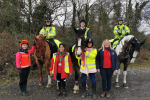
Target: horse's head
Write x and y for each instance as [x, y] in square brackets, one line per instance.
[79, 41]
[134, 49]
[40, 45]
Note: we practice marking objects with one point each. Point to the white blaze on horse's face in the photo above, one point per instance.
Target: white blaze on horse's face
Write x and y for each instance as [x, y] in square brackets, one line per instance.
[135, 53]
[79, 51]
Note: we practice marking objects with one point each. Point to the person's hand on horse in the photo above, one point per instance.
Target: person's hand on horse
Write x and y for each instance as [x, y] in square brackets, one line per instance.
[48, 37]
[34, 43]
[70, 74]
[51, 73]
[119, 34]
[19, 71]
[98, 70]
[116, 71]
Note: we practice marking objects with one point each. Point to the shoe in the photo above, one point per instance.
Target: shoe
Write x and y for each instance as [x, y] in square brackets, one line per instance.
[103, 94]
[58, 92]
[64, 92]
[94, 91]
[24, 94]
[84, 90]
[108, 94]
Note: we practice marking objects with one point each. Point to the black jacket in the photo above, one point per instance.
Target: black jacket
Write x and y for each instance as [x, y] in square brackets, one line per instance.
[100, 59]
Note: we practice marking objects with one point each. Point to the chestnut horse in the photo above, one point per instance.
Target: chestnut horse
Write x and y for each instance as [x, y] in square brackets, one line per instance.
[42, 56]
[79, 41]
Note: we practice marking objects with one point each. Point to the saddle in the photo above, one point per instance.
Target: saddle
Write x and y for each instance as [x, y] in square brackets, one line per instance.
[53, 46]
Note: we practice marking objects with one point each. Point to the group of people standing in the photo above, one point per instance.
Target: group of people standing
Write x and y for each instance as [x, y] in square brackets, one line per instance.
[103, 61]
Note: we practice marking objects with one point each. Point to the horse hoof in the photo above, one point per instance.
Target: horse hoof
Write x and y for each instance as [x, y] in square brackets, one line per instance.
[86, 88]
[48, 85]
[117, 84]
[40, 84]
[125, 86]
[75, 91]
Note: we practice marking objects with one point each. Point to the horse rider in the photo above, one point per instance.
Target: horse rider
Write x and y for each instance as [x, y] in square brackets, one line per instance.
[50, 33]
[120, 30]
[87, 34]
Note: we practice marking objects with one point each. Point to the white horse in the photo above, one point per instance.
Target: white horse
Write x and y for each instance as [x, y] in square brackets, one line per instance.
[127, 51]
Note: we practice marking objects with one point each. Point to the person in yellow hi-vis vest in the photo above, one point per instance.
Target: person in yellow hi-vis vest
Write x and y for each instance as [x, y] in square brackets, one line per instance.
[50, 32]
[88, 66]
[61, 67]
[120, 30]
[87, 34]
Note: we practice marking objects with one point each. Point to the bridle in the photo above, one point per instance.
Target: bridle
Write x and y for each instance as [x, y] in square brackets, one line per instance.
[41, 54]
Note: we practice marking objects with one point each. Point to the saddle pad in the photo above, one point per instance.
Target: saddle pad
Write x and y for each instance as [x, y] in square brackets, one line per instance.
[57, 42]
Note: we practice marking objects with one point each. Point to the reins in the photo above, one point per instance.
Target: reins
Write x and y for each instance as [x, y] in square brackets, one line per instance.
[42, 54]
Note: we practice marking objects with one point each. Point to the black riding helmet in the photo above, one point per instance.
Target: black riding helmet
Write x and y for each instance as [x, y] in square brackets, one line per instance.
[120, 19]
[48, 20]
[89, 41]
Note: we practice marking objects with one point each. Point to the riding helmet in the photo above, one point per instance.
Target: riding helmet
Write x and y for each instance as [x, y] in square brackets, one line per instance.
[89, 41]
[48, 20]
[23, 42]
[83, 20]
[120, 19]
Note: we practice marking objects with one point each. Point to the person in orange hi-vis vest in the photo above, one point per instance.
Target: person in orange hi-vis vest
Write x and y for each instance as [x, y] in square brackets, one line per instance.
[23, 63]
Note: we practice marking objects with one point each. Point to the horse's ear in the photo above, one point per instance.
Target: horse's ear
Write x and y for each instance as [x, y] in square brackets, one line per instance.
[35, 38]
[75, 30]
[44, 37]
[143, 42]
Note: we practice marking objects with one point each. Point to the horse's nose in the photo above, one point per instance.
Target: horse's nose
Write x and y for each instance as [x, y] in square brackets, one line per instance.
[79, 55]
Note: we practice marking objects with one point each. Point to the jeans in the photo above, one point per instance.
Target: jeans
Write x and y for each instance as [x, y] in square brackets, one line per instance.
[92, 76]
[106, 74]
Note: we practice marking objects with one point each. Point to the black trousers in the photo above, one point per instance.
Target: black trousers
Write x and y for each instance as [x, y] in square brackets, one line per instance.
[23, 78]
[61, 81]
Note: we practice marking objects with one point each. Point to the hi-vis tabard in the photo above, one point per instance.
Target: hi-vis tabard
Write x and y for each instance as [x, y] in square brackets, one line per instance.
[66, 62]
[25, 60]
[85, 35]
[90, 59]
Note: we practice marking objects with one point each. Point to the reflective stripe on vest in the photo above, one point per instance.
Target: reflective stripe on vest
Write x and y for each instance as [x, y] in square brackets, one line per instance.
[25, 60]
[66, 62]
[85, 35]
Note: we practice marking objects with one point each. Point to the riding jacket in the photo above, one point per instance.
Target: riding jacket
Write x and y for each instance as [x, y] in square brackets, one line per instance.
[87, 34]
[123, 29]
[23, 60]
[100, 59]
[90, 59]
[48, 31]
[65, 64]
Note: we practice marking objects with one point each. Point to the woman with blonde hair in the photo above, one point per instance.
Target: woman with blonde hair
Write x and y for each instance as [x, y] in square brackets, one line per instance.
[106, 63]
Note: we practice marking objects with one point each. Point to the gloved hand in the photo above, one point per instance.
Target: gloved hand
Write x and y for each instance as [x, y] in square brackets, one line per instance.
[19, 71]
[34, 43]
[119, 34]
[126, 34]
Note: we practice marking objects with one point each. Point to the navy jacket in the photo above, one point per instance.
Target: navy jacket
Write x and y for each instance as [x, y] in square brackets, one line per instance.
[100, 59]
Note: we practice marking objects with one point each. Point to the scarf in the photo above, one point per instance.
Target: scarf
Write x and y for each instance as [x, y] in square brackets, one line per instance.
[83, 54]
[23, 50]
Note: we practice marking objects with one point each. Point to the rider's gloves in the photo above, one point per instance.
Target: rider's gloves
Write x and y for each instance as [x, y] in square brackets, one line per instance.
[119, 34]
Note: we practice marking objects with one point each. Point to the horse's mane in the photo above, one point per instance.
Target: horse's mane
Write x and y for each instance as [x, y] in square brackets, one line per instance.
[119, 47]
[39, 36]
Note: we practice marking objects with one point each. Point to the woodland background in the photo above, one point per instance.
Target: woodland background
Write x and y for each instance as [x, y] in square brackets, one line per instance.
[22, 19]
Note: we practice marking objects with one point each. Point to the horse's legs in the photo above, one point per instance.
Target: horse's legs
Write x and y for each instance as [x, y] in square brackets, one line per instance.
[48, 73]
[124, 75]
[40, 72]
[117, 77]
[76, 86]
